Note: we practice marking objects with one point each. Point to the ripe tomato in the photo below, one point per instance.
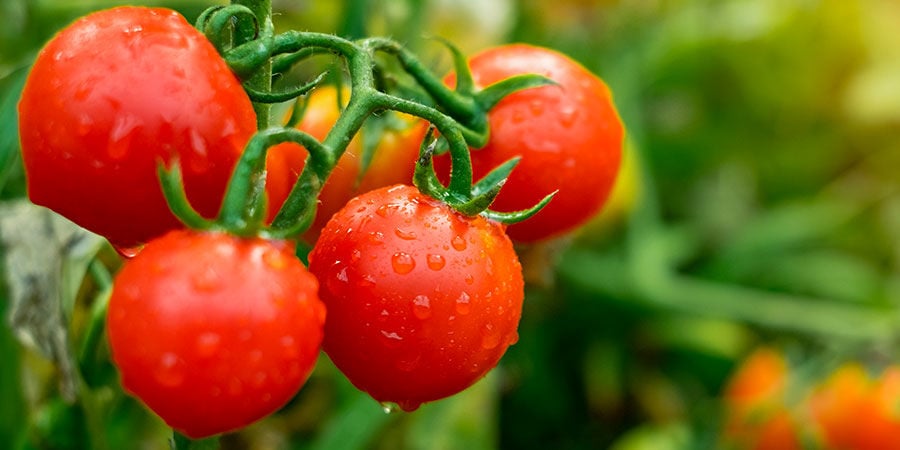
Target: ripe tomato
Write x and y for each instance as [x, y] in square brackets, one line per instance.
[213, 332]
[422, 301]
[852, 410]
[757, 414]
[393, 161]
[110, 97]
[569, 137]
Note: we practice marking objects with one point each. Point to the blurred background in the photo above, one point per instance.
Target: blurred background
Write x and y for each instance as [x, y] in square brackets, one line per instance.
[757, 207]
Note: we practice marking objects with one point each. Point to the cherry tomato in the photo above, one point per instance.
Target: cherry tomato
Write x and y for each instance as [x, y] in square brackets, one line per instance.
[392, 163]
[213, 332]
[113, 95]
[569, 137]
[422, 300]
[757, 414]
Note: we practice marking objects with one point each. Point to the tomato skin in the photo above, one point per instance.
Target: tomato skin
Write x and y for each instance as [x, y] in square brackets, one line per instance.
[213, 332]
[392, 163]
[569, 137]
[422, 300]
[111, 96]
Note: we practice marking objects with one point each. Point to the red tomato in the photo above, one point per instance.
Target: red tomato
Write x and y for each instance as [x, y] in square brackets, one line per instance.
[422, 300]
[213, 332]
[569, 137]
[757, 415]
[113, 95]
[392, 163]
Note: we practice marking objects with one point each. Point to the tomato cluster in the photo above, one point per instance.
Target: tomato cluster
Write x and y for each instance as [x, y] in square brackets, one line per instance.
[214, 329]
[770, 406]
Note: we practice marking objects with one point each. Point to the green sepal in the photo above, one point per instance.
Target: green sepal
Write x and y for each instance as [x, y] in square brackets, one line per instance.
[172, 185]
[424, 177]
[485, 191]
[488, 97]
[509, 218]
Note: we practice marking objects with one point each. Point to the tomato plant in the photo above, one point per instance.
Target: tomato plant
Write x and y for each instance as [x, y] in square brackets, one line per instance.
[422, 300]
[392, 162]
[212, 331]
[113, 95]
[569, 136]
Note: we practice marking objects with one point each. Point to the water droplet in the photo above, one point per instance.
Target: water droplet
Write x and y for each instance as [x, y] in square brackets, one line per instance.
[491, 338]
[422, 307]
[208, 280]
[208, 344]
[518, 116]
[407, 235]
[376, 237]
[463, 304]
[512, 338]
[458, 243]
[409, 405]
[169, 371]
[275, 259]
[128, 252]
[389, 407]
[567, 116]
[342, 275]
[435, 262]
[402, 263]
[391, 335]
[355, 255]
[367, 280]
[536, 107]
[289, 347]
[120, 136]
[198, 159]
[470, 279]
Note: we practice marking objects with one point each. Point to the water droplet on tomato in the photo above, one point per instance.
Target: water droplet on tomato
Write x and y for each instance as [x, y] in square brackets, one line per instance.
[512, 338]
[470, 279]
[422, 307]
[255, 357]
[169, 371]
[198, 160]
[402, 263]
[355, 255]
[491, 338]
[407, 235]
[128, 252]
[367, 280]
[120, 136]
[567, 116]
[207, 280]
[536, 107]
[409, 405]
[435, 262]
[518, 116]
[376, 237]
[391, 339]
[463, 304]
[458, 243]
[289, 347]
[208, 344]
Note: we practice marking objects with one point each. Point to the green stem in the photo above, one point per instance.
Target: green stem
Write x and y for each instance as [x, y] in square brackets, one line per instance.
[261, 80]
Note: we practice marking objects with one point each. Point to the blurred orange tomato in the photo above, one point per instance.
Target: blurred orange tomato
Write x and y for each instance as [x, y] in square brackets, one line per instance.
[757, 414]
[393, 160]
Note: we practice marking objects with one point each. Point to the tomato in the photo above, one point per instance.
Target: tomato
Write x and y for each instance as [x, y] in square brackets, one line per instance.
[393, 161]
[422, 300]
[569, 137]
[852, 410]
[113, 95]
[212, 331]
[757, 414]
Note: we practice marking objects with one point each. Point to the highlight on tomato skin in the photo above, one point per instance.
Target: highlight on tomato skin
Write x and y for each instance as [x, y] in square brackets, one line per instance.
[110, 97]
[569, 137]
[422, 301]
[214, 332]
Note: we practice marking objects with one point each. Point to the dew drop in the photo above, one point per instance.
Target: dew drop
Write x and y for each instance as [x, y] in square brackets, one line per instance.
[402, 263]
[422, 307]
[518, 116]
[355, 256]
[512, 338]
[435, 262]
[289, 347]
[367, 280]
[208, 344]
[376, 237]
[458, 243]
[470, 279]
[120, 136]
[409, 405]
[463, 304]
[567, 116]
[389, 407]
[536, 107]
[491, 338]
[169, 371]
[407, 235]
[127, 252]
[208, 280]
[275, 259]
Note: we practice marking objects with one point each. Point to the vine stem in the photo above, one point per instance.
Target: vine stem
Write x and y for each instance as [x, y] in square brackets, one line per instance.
[261, 81]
